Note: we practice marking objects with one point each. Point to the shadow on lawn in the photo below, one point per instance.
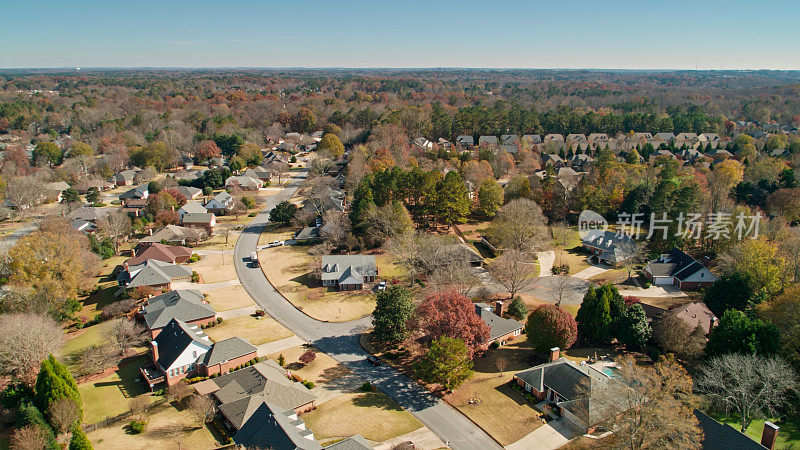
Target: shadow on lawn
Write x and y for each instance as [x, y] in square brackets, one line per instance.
[375, 400]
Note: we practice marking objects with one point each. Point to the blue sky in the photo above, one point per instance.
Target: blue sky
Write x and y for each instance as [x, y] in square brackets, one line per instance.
[677, 34]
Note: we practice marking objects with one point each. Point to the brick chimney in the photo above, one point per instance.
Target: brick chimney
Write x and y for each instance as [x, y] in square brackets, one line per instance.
[499, 308]
[769, 435]
[555, 353]
[154, 351]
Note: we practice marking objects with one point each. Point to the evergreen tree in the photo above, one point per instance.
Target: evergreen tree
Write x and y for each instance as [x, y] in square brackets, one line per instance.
[363, 201]
[79, 440]
[446, 363]
[738, 333]
[452, 205]
[594, 316]
[518, 309]
[55, 382]
[394, 309]
[632, 328]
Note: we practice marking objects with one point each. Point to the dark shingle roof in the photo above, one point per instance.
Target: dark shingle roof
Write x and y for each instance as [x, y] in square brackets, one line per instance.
[498, 326]
[175, 338]
[184, 304]
[275, 428]
[720, 436]
[227, 350]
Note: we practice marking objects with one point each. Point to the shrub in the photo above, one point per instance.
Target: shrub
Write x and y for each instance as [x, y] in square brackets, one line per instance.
[137, 426]
[252, 214]
[79, 440]
[219, 319]
[261, 313]
[195, 277]
[281, 360]
[308, 384]
[194, 258]
[551, 326]
[366, 387]
[307, 357]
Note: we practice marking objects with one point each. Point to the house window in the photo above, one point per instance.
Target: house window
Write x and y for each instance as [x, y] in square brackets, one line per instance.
[702, 274]
[183, 369]
[171, 373]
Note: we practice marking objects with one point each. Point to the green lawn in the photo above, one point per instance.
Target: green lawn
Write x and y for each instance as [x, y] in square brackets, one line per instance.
[93, 335]
[109, 396]
[788, 436]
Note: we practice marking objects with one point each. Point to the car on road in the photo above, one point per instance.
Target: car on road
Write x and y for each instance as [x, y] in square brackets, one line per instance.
[254, 259]
[373, 360]
[382, 286]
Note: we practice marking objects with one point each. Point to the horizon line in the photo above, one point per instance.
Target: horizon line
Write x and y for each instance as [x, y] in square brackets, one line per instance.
[604, 69]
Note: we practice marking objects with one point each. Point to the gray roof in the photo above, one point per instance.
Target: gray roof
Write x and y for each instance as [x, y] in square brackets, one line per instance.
[185, 304]
[498, 326]
[270, 426]
[154, 272]
[240, 392]
[348, 269]
[89, 214]
[533, 138]
[356, 442]
[125, 175]
[722, 436]
[223, 197]
[135, 193]
[609, 242]
[83, 225]
[188, 191]
[174, 233]
[227, 350]
[491, 140]
[204, 218]
[307, 233]
[58, 186]
[465, 139]
[675, 263]
[193, 208]
[509, 139]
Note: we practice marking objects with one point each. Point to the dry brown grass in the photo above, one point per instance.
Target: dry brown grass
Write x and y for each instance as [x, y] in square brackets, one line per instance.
[257, 331]
[323, 369]
[215, 268]
[229, 298]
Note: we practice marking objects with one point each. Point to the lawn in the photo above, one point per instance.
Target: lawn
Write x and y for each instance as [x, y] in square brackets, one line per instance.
[109, 396]
[166, 428]
[323, 369]
[229, 298]
[217, 241]
[788, 435]
[612, 276]
[272, 233]
[493, 394]
[215, 267]
[94, 335]
[575, 257]
[370, 414]
[257, 331]
[388, 269]
[287, 268]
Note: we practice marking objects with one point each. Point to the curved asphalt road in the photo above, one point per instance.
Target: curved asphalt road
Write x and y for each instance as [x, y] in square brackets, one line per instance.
[340, 341]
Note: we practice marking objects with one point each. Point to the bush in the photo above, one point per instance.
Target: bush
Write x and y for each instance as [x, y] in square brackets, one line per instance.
[281, 360]
[261, 313]
[219, 319]
[647, 284]
[293, 159]
[252, 214]
[194, 258]
[79, 440]
[137, 426]
[366, 387]
[195, 277]
[15, 394]
[308, 384]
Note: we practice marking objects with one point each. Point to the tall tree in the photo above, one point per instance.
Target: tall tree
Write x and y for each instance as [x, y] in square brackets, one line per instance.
[550, 326]
[514, 269]
[447, 362]
[595, 316]
[25, 342]
[738, 333]
[452, 201]
[783, 312]
[393, 312]
[519, 225]
[453, 315]
[490, 197]
[331, 147]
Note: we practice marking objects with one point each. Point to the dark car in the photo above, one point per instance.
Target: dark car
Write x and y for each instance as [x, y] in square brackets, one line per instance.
[373, 360]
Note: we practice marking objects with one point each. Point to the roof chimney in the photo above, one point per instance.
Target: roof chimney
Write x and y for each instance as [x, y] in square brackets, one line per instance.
[769, 435]
[154, 351]
[499, 308]
[555, 353]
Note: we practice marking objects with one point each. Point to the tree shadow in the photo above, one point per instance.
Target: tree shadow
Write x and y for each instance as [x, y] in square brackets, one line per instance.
[376, 400]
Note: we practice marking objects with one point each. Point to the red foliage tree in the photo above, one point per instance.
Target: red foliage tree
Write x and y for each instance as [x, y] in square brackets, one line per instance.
[453, 315]
[551, 326]
[206, 150]
[631, 300]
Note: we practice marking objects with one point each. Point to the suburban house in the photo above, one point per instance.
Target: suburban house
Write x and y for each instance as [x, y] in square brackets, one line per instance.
[533, 139]
[220, 204]
[509, 139]
[571, 387]
[243, 182]
[307, 235]
[189, 192]
[187, 305]
[89, 214]
[421, 143]
[173, 254]
[176, 235]
[679, 269]
[485, 141]
[205, 221]
[84, 186]
[500, 328]
[84, 226]
[191, 208]
[53, 190]
[554, 137]
[258, 173]
[695, 314]
[153, 274]
[610, 248]
[181, 350]
[138, 193]
[465, 141]
[124, 178]
[723, 436]
[330, 199]
[348, 272]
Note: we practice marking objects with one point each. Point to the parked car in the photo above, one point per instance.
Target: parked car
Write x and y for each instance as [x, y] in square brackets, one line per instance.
[382, 286]
[275, 244]
[373, 360]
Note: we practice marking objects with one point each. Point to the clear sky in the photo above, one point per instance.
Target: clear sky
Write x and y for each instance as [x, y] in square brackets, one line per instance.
[642, 34]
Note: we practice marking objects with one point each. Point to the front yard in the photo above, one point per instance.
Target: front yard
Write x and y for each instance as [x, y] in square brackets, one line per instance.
[496, 407]
[233, 297]
[370, 414]
[215, 267]
[287, 268]
[257, 331]
[323, 369]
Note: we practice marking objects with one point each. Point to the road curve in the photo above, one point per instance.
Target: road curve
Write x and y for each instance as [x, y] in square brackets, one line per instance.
[340, 341]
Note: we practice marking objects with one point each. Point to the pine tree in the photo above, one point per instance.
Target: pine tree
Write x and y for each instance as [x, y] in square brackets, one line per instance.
[518, 309]
[55, 382]
[362, 202]
[453, 203]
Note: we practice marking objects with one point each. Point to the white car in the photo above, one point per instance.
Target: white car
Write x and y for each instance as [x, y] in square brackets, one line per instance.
[382, 286]
[275, 244]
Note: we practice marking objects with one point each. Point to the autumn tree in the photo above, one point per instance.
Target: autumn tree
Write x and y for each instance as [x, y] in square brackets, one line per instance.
[393, 313]
[785, 202]
[25, 342]
[673, 335]
[307, 357]
[514, 269]
[783, 312]
[205, 150]
[125, 334]
[24, 192]
[115, 226]
[748, 385]
[646, 406]
[63, 414]
[157, 154]
[331, 147]
[550, 326]
[519, 225]
[453, 315]
[448, 362]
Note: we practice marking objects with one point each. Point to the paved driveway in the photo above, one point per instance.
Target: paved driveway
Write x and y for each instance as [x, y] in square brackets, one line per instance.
[551, 435]
[546, 260]
[340, 341]
[654, 291]
[548, 288]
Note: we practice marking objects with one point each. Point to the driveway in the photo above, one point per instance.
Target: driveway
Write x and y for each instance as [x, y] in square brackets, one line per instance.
[589, 272]
[549, 289]
[12, 238]
[340, 341]
[551, 435]
[654, 291]
[546, 260]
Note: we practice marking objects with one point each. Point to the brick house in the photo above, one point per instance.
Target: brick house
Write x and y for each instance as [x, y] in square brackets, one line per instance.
[348, 272]
[609, 247]
[181, 350]
[680, 270]
[153, 274]
[186, 305]
[204, 221]
[220, 204]
[172, 254]
[500, 329]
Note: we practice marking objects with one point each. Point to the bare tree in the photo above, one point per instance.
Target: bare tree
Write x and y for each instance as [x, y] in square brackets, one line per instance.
[336, 229]
[520, 225]
[63, 414]
[115, 226]
[456, 276]
[749, 385]
[674, 336]
[124, 334]
[562, 283]
[178, 392]
[279, 168]
[24, 192]
[645, 406]
[514, 269]
[501, 362]
[29, 437]
[93, 359]
[201, 409]
[560, 232]
[138, 405]
[636, 255]
[25, 342]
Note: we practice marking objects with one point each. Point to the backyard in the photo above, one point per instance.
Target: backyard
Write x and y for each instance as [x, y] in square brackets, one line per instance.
[109, 396]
